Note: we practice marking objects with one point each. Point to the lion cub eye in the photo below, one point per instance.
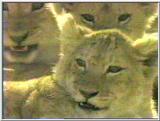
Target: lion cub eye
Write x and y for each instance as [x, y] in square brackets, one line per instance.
[124, 18]
[88, 18]
[81, 62]
[114, 69]
[36, 6]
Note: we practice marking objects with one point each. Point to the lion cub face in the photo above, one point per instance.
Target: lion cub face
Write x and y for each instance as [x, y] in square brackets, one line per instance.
[131, 18]
[106, 74]
[30, 33]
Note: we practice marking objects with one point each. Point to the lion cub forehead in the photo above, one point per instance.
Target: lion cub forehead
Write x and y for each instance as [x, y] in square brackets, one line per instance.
[106, 7]
[103, 41]
[112, 36]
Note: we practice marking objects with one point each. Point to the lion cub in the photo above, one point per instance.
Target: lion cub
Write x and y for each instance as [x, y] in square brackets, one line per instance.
[104, 74]
[130, 18]
[30, 33]
[133, 19]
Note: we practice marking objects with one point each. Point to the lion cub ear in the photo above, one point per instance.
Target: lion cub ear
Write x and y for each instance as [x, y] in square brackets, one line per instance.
[70, 29]
[72, 34]
[148, 48]
[147, 44]
[152, 25]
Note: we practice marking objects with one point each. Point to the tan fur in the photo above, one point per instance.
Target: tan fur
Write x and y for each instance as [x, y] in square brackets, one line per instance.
[127, 93]
[152, 25]
[106, 15]
[123, 94]
[28, 26]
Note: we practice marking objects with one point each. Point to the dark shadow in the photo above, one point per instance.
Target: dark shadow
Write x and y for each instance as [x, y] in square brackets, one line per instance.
[155, 93]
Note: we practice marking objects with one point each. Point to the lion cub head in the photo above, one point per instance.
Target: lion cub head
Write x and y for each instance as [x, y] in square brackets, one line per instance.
[130, 18]
[30, 33]
[106, 73]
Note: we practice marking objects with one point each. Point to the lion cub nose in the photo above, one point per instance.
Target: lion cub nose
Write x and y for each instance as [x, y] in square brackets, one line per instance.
[87, 94]
[20, 38]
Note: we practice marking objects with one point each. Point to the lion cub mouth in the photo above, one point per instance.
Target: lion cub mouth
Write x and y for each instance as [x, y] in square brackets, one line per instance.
[19, 49]
[88, 106]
